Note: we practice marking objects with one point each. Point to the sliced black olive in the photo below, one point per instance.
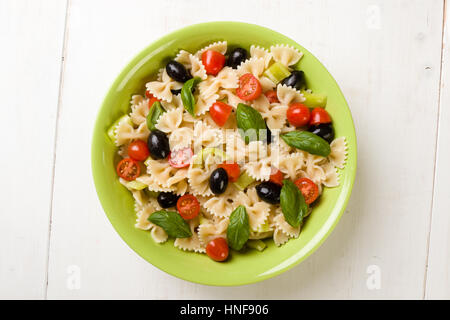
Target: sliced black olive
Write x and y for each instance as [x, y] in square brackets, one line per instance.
[175, 91]
[158, 145]
[236, 57]
[177, 71]
[167, 199]
[295, 80]
[218, 181]
[269, 192]
[323, 130]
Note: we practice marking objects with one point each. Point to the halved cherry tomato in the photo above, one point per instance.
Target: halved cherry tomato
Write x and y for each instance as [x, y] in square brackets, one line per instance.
[249, 87]
[180, 158]
[272, 96]
[308, 188]
[298, 114]
[213, 61]
[220, 112]
[152, 98]
[138, 150]
[276, 176]
[233, 171]
[217, 249]
[188, 207]
[128, 169]
[319, 115]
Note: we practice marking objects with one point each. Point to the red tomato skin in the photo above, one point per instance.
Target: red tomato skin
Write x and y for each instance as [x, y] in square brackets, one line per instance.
[249, 87]
[319, 115]
[272, 96]
[138, 150]
[233, 171]
[308, 188]
[217, 249]
[213, 61]
[220, 112]
[185, 154]
[188, 206]
[128, 164]
[277, 177]
[298, 114]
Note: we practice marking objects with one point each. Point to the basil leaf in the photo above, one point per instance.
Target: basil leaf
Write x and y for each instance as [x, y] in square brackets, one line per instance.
[250, 122]
[156, 110]
[172, 223]
[187, 96]
[293, 203]
[307, 141]
[238, 230]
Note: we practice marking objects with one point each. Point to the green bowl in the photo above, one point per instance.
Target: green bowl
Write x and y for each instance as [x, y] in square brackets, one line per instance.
[242, 267]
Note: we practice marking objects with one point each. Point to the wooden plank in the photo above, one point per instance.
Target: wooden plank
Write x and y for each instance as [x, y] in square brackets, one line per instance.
[438, 276]
[386, 57]
[30, 60]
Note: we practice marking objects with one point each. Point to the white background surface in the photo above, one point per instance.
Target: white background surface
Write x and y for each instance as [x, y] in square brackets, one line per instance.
[391, 59]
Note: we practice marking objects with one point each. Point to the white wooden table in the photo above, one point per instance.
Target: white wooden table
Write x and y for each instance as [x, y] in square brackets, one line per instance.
[392, 61]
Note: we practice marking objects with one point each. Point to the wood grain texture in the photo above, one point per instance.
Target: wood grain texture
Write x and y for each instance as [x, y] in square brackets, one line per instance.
[438, 276]
[386, 57]
[30, 60]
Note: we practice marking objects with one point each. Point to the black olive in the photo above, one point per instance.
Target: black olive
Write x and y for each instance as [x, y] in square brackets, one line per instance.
[158, 145]
[177, 71]
[167, 199]
[268, 137]
[295, 80]
[269, 192]
[323, 130]
[236, 57]
[218, 181]
[175, 91]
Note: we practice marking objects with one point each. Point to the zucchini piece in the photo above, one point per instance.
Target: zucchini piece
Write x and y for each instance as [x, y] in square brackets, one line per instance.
[136, 185]
[210, 151]
[150, 193]
[277, 72]
[263, 228]
[314, 100]
[256, 244]
[243, 181]
[111, 131]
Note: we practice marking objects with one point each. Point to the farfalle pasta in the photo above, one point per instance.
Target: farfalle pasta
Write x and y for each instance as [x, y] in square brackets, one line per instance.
[217, 142]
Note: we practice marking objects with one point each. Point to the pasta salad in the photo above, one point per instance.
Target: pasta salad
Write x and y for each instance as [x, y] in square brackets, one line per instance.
[227, 147]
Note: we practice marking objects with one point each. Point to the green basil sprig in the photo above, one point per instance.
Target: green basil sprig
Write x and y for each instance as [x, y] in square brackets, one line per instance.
[293, 203]
[156, 110]
[172, 223]
[187, 96]
[307, 141]
[250, 122]
[238, 229]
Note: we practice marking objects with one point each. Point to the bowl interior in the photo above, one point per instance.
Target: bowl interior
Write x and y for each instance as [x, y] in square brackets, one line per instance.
[243, 267]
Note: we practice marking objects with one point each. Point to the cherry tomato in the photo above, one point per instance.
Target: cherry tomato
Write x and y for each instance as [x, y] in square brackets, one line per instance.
[298, 114]
[232, 169]
[249, 87]
[128, 169]
[217, 249]
[220, 112]
[213, 61]
[272, 96]
[152, 99]
[188, 206]
[308, 188]
[138, 150]
[276, 176]
[319, 115]
[180, 158]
